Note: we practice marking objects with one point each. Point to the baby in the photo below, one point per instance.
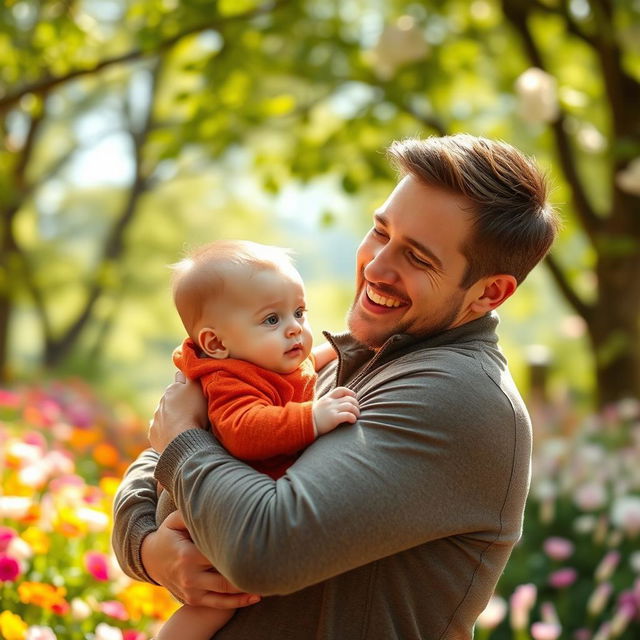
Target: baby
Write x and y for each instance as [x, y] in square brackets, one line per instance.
[249, 344]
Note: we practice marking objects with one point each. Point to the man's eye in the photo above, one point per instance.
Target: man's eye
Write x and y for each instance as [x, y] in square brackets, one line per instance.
[272, 319]
[378, 232]
[418, 261]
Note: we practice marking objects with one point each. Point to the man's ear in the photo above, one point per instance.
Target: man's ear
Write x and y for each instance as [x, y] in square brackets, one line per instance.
[496, 289]
[211, 344]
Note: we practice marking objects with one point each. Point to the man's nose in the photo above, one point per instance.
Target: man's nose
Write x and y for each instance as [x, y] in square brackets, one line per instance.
[381, 267]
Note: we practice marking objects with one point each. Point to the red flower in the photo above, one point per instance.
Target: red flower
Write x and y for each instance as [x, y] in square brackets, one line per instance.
[9, 568]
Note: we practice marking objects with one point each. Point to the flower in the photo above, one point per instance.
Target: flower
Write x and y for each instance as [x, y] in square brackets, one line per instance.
[521, 601]
[96, 521]
[563, 578]
[558, 548]
[15, 507]
[629, 178]
[607, 566]
[590, 496]
[107, 632]
[545, 631]
[399, 44]
[114, 609]
[625, 514]
[537, 93]
[12, 626]
[97, 564]
[44, 595]
[599, 598]
[493, 613]
[9, 568]
[6, 535]
[40, 633]
[80, 609]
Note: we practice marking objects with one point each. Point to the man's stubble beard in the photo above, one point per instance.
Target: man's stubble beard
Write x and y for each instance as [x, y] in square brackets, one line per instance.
[422, 331]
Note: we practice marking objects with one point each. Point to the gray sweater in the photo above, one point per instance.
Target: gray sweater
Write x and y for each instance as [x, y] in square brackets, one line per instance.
[397, 527]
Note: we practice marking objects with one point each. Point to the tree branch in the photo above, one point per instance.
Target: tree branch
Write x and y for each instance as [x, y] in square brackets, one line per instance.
[583, 309]
[517, 15]
[45, 85]
[572, 26]
[114, 244]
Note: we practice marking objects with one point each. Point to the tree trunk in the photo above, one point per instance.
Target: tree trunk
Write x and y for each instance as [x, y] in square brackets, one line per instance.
[614, 329]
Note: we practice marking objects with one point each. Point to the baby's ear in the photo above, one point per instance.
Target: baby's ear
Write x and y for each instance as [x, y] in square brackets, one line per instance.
[211, 344]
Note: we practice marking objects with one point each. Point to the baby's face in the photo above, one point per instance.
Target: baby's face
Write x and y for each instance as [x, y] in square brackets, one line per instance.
[262, 318]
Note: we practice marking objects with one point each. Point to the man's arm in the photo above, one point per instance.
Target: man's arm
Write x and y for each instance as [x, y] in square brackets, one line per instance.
[405, 474]
[134, 512]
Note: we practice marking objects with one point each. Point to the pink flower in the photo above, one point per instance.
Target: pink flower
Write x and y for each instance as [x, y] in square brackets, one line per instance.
[97, 565]
[9, 399]
[607, 566]
[6, 535]
[132, 634]
[114, 609]
[545, 631]
[521, 601]
[563, 578]
[9, 568]
[558, 548]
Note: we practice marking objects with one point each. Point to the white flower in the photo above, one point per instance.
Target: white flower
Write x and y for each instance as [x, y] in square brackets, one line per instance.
[80, 610]
[629, 179]
[625, 514]
[106, 632]
[40, 633]
[33, 475]
[96, 521]
[590, 497]
[590, 139]
[537, 93]
[493, 613]
[399, 44]
[14, 507]
[20, 549]
[634, 561]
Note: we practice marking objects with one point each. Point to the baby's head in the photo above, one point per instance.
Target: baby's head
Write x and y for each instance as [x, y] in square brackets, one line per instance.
[240, 299]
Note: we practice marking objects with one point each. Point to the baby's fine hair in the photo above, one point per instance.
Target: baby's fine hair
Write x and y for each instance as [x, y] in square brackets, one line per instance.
[203, 273]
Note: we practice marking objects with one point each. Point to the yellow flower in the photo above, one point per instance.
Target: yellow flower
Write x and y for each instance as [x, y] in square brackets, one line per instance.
[12, 626]
[43, 595]
[69, 524]
[147, 600]
[38, 540]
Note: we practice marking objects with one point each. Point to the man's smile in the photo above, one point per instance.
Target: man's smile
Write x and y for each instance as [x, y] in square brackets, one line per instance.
[376, 300]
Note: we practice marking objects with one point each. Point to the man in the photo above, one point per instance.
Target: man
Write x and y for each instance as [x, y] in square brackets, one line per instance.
[397, 527]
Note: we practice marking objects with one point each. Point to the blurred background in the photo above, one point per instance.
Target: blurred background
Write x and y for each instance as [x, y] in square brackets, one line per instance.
[135, 130]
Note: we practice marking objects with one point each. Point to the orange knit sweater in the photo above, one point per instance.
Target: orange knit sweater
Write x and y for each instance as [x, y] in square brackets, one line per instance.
[260, 416]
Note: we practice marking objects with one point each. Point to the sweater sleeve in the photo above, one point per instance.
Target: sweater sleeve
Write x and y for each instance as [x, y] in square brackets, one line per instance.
[250, 424]
[417, 466]
[134, 512]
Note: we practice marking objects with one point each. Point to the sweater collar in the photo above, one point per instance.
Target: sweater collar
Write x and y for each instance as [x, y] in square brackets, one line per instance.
[353, 353]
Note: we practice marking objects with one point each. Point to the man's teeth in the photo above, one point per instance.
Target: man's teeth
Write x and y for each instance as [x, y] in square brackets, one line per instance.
[382, 300]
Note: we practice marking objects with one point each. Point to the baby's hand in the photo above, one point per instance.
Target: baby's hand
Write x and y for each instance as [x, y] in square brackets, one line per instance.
[334, 408]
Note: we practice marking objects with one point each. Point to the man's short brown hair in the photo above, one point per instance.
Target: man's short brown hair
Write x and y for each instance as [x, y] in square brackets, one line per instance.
[513, 224]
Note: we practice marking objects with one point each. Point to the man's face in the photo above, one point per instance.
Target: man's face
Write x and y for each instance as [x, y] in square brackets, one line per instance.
[410, 264]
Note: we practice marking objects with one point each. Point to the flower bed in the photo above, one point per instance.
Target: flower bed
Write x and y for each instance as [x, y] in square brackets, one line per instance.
[63, 452]
[574, 575]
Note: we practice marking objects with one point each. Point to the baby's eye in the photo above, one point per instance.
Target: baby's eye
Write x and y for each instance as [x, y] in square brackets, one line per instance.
[271, 319]
[299, 313]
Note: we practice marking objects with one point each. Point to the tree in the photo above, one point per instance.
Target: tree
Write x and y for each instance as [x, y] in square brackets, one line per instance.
[321, 87]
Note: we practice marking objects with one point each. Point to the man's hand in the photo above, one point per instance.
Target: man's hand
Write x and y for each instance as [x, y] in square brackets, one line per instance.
[172, 560]
[334, 408]
[182, 407]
